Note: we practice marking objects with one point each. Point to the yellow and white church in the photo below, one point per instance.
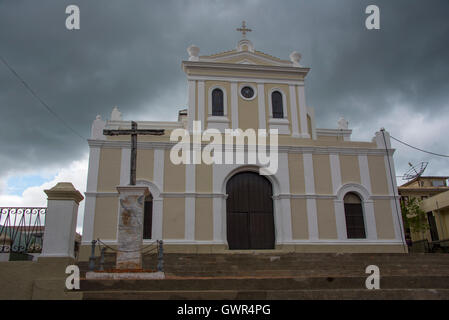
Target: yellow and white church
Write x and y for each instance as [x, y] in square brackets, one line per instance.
[329, 194]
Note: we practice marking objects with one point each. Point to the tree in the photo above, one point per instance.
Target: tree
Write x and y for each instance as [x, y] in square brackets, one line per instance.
[413, 216]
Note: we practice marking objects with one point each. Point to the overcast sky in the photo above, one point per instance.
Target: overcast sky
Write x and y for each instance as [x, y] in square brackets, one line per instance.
[129, 53]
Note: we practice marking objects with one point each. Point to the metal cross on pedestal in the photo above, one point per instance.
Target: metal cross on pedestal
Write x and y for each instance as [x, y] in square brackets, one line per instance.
[244, 29]
[133, 132]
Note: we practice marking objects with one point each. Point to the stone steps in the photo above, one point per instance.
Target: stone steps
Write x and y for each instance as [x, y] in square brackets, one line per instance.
[263, 283]
[280, 276]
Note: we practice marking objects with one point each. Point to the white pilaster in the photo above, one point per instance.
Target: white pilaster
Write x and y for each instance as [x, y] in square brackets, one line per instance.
[158, 204]
[201, 110]
[370, 220]
[89, 206]
[303, 112]
[218, 203]
[125, 166]
[293, 111]
[393, 190]
[189, 226]
[284, 227]
[191, 114]
[309, 178]
[234, 105]
[261, 105]
[365, 178]
[338, 205]
[339, 209]
[335, 172]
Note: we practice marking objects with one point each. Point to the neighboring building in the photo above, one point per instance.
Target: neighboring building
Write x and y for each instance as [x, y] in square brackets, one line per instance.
[423, 188]
[330, 194]
[437, 209]
[427, 189]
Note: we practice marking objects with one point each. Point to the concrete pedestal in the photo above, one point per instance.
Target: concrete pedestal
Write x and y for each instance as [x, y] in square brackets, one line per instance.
[60, 221]
[130, 226]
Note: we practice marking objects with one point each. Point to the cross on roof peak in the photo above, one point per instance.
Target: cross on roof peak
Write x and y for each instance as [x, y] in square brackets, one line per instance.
[244, 29]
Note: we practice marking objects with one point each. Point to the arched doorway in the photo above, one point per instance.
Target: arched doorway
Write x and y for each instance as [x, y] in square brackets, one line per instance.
[249, 212]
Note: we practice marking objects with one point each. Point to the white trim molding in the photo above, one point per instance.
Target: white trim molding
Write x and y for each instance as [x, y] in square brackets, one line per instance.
[303, 111]
[201, 107]
[312, 218]
[261, 106]
[293, 111]
[192, 103]
[158, 204]
[234, 106]
[189, 223]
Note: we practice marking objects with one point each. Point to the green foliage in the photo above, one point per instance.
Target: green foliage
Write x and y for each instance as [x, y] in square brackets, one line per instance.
[413, 216]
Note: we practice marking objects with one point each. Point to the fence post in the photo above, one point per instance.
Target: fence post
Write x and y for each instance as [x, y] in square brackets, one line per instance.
[102, 259]
[160, 256]
[92, 256]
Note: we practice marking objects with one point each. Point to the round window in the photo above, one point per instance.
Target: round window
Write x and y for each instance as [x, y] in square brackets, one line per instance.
[247, 92]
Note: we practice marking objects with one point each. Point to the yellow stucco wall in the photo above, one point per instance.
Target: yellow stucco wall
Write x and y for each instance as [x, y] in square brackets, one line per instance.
[349, 168]
[378, 175]
[384, 219]
[203, 179]
[204, 219]
[299, 219]
[173, 224]
[322, 174]
[174, 175]
[106, 215]
[296, 173]
[248, 110]
[109, 169]
[145, 164]
[327, 227]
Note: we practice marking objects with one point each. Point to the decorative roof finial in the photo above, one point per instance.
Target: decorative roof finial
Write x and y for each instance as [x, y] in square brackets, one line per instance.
[244, 29]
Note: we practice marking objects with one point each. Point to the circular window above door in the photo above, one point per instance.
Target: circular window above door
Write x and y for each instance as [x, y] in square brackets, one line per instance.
[247, 92]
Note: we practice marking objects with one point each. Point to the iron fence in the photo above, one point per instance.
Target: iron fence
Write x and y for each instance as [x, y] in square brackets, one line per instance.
[22, 229]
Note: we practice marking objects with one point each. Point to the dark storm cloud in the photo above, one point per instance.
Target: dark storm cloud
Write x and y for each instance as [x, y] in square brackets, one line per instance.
[128, 53]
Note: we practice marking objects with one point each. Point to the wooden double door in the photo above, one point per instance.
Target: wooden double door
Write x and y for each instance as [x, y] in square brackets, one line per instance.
[249, 212]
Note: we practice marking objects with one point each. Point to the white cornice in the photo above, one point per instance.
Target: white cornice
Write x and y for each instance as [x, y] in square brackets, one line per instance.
[237, 78]
[333, 132]
[287, 149]
[144, 124]
[245, 67]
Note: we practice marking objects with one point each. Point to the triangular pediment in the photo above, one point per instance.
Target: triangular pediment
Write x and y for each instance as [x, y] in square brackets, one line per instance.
[246, 57]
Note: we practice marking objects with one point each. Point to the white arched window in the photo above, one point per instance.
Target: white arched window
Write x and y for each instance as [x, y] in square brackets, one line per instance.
[355, 222]
[277, 105]
[217, 102]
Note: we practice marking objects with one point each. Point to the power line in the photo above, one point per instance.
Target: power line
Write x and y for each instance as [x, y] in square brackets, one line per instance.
[394, 193]
[408, 145]
[34, 94]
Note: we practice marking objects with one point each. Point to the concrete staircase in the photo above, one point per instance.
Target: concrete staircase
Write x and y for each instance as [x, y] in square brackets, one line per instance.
[275, 275]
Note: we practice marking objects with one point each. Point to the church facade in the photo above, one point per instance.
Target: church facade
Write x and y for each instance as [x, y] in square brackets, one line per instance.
[329, 193]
